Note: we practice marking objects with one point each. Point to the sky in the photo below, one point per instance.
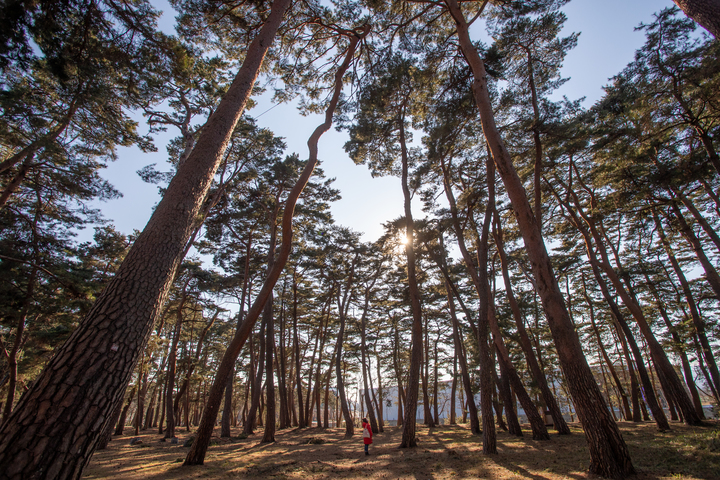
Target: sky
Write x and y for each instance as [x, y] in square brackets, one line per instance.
[607, 43]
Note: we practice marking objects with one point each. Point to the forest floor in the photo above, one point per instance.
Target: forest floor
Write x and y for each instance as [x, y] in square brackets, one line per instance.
[446, 452]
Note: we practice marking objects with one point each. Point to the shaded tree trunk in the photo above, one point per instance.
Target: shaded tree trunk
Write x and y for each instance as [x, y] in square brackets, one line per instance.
[227, 409]
[101, 354]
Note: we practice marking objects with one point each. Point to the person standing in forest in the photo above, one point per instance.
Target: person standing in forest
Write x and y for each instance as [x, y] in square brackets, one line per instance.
[367, 435]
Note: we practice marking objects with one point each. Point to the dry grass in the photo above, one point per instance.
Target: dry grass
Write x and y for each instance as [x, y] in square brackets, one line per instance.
[443, 453]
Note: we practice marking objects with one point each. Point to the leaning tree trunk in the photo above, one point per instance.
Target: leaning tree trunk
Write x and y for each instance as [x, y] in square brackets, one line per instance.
[608, 451]
[574, 218]
[54, 430]
[196, 455]
[698, 322]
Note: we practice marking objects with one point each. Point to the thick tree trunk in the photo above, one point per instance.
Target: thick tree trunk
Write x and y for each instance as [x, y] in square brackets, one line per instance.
[81, 386]
[705, 12]
[608, 452]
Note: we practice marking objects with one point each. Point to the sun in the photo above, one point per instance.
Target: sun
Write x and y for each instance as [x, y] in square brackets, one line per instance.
[403, 239]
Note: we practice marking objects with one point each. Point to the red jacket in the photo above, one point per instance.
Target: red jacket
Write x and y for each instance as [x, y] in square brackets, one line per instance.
[366, 428]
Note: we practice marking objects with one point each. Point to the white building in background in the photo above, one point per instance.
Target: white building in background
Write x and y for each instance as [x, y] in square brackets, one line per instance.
[390, 404]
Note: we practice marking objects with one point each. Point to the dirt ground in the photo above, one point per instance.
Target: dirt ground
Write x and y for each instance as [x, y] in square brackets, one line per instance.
[446, 452]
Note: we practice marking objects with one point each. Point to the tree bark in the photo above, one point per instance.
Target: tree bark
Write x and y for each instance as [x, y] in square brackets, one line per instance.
[705, 12]
[56, 426]
[227, 408]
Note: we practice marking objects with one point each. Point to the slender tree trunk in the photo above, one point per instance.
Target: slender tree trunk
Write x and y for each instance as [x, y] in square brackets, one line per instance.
[109, 428]
[608, 452]
[479, 277]
[196, 455]
[363, 348]
[711, 274]
[227, 408]
[503, 384]
[537, 374]
[537, 422]
[416, 353]
[257, 386]
[18, 342]
[302, 422]
[269, 432]
[596, 330]
[349, 427]
[698, 322]
[123, 415]
[460, 355]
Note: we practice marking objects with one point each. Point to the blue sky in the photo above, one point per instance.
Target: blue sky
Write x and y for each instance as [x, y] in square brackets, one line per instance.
[607, 43]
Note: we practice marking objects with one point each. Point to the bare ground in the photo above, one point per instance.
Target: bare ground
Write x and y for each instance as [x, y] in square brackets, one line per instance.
[446, 452]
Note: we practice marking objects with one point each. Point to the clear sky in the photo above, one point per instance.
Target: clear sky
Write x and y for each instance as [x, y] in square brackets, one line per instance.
[606, 45]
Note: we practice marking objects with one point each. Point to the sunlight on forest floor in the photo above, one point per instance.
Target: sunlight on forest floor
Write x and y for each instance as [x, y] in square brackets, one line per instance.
[447, 452]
